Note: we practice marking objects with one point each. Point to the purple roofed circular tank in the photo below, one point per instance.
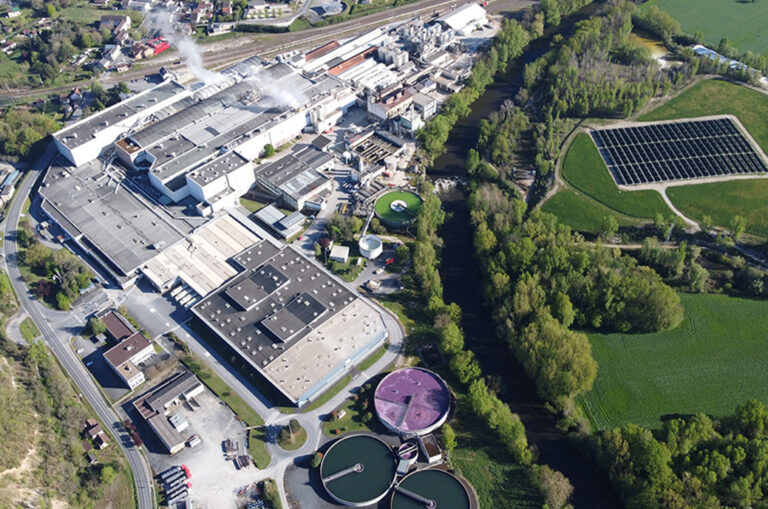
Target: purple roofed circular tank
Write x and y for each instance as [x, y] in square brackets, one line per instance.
[412, 401]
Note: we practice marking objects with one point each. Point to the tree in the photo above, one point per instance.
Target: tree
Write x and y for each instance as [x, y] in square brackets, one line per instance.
[96, 326]
[738, 225]
[269, 150]
[108, 475]
[551, 11]
[317, 458]
[556, 487]
[609, 227]
[50, 10]
[449, 438]
[473, 159]
[706, 223]
[63, 302]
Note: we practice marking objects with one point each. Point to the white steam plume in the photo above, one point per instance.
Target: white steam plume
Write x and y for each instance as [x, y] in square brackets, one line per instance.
[190, 53]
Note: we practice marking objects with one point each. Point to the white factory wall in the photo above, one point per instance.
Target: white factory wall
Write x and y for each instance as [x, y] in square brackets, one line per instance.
[242, 178]
[207, 190]
[91, 149]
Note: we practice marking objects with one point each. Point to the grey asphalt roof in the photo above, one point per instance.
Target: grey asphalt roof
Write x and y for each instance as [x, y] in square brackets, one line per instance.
[308, 290]
[296, 174]
[112, 218]
[223, 165]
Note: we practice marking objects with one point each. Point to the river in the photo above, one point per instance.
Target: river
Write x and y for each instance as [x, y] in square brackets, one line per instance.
[462, 284]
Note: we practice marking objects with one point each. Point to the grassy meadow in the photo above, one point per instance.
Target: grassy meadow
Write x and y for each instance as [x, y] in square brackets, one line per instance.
[741, 21]
[716, 359]
[581, 212]
[585, 170]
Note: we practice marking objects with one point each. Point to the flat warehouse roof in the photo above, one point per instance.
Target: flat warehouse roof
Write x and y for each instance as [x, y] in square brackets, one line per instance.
[678, 150]
[201, 260]
[310, 312]
[112, 218]
[297, 173]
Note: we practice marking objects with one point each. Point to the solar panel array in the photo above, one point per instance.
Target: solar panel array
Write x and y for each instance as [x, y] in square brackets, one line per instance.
[676, 151]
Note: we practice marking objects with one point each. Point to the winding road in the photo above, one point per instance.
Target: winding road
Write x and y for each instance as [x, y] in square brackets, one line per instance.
[57, 338]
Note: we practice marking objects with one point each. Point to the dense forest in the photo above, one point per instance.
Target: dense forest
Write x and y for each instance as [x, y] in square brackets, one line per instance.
[692, 461]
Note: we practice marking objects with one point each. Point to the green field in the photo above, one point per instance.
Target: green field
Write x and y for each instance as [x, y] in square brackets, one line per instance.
[716, 359]
[722, 200]
[584, 169]
[385, 212]
[581, 212]
[742, 22]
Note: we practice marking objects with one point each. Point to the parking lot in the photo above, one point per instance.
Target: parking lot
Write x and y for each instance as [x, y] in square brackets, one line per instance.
[215, 480]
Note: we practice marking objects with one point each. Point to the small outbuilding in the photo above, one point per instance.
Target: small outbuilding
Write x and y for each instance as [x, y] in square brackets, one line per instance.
[340, 254]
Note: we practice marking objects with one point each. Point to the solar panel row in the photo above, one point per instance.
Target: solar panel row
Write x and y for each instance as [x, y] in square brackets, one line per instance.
[676, 151]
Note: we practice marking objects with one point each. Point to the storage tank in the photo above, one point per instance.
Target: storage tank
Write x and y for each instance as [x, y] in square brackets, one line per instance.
[370, 246]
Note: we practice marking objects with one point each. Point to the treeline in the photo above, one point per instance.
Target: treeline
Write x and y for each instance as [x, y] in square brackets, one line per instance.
[462, 362]
[508, 45]
[541, 278]
[692, 461]
[21, 130]
[481, 398]
[63, 274]
[45, 402]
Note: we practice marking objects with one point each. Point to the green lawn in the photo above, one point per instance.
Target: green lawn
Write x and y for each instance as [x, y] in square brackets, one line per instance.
[373, 358]
[584, 169]
[29, 330]
[716, 359]
[299, 437]
[742, 22]
[385, 212]
[582, 212]
[723, 200]
[84, 15]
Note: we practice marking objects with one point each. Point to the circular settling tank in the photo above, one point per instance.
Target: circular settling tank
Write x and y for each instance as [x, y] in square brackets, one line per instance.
[412, 401]
[431, 488]
[398, 207]
[370, 246]
[358, 470]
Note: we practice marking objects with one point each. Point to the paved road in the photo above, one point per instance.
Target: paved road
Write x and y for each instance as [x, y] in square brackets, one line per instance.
[58, 341]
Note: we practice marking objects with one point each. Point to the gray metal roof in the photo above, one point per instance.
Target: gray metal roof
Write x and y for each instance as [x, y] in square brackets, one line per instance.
[296, 174]
[223, 165]
[115, 221]
[84, 131]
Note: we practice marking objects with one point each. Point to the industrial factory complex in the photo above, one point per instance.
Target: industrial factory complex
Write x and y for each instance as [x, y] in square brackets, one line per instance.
[150, 187]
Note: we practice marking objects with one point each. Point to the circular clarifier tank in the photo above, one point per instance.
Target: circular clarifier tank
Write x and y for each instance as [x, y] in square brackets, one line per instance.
[358, 470]
[431, 488]
[412, 401]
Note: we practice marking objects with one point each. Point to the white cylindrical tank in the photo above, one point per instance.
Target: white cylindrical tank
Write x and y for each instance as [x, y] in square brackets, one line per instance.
[370, 246]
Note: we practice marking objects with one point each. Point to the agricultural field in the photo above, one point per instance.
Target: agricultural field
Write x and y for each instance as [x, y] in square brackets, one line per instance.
[741, 21]
[722, 200]
[713, 361]
[581, 212]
